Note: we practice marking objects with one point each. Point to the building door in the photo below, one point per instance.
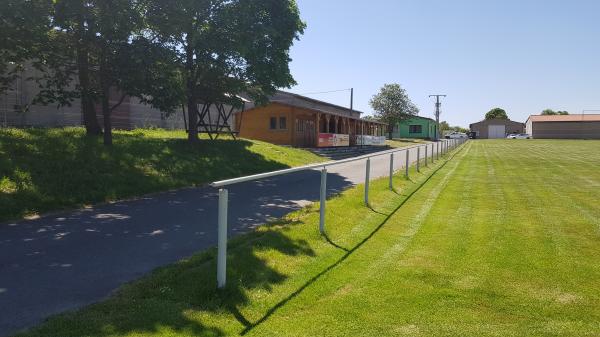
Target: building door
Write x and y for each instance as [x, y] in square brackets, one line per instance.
[496, 131]
[305, 133]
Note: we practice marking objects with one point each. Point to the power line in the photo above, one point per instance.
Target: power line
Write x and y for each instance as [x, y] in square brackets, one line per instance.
[325, 92]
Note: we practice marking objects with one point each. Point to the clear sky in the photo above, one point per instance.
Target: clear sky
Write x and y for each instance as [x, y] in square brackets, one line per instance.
[523, 56]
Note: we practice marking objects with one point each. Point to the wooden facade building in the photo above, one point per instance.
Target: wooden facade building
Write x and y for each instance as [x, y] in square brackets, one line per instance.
[291, 119]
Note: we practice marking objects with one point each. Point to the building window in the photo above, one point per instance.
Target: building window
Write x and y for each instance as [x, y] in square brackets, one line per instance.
[282, 123]
[414, 129]
[273, 123]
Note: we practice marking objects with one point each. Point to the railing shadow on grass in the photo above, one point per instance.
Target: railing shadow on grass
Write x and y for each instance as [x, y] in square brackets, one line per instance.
[170, 298]
[348, 253]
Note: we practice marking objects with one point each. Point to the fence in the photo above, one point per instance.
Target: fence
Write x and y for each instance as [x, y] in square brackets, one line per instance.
[442, 147]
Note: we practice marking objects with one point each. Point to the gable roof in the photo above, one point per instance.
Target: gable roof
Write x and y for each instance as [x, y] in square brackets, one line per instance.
[300, 101]
[495, 120]
[565, 118]
[420, 117]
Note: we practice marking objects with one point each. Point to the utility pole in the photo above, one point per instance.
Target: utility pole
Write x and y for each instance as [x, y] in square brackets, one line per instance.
[351, 99]
[438, 105]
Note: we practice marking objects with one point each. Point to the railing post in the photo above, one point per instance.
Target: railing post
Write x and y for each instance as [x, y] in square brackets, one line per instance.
[407, 163]
[432, 153]
[367, 179]
[222, 239]
[426, 156]
[418, 158]
[391, 171]
[323, 200]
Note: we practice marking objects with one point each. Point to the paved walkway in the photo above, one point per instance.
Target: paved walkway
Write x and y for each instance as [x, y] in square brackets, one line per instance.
[65, 261]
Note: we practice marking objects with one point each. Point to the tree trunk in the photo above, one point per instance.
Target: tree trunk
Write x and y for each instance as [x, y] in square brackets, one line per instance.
[192, 117]
[390, 130]
[191, 97]
[106, 112]
[106, 109]
[87, 104]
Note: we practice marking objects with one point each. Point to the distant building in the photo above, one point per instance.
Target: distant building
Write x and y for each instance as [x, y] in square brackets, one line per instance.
[291, 119]
[16, 110]
[416, 127]
[578, 126]
[496, 128]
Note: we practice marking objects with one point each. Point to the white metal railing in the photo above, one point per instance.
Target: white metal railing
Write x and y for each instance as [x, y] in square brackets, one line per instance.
[442, 146]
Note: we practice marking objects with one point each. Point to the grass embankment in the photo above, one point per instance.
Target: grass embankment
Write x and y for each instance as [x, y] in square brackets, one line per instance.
[504, 240]
[50, 169]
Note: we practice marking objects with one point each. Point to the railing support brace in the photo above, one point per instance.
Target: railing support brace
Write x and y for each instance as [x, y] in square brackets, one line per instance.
[391, 171]
[222, 239]
[367, 180]
[323, 200]
[407, 163]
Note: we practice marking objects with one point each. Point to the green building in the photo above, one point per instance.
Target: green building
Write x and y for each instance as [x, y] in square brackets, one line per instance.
[415, 127]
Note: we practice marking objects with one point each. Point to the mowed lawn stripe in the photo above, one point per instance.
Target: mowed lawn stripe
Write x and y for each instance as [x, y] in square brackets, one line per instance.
[498, 254]
[340, 303]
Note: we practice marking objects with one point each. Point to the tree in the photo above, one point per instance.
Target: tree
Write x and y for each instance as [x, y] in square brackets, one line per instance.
[392, 105]
[23, 33]
[444, 126]
[496, 113]
[552, 112]
[54, 38]
[88, 50]
[227, 47]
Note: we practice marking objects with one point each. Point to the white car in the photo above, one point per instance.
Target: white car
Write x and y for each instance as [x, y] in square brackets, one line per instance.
[519, 136]
[456, 135]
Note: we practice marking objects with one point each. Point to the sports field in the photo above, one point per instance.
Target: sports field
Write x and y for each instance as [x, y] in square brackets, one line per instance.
[501, 240]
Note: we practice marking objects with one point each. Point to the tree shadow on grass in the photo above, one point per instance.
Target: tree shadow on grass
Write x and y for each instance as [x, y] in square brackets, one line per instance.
[177, 298]
[49, 169]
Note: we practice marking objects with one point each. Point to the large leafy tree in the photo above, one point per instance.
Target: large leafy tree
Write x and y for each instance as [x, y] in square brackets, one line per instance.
[87, 49]
[23, 35]
[496, 113]
[393, 105]
[67, 61]
[56, 38]
[552, 112]
[227, 47]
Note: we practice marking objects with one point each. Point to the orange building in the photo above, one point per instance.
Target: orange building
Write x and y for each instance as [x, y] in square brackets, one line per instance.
[291, 119]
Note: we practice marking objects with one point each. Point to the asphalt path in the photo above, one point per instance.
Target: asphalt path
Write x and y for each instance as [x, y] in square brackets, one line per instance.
[65, 261]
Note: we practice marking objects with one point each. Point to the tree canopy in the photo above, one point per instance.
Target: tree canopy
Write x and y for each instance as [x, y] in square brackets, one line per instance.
[445, 126]
[496, 113]
[392, 105]
[552, 112]
[166, 52]
[225, 48]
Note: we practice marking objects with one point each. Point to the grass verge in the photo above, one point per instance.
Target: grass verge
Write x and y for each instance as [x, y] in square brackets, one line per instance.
[50, 169]
[267, 269]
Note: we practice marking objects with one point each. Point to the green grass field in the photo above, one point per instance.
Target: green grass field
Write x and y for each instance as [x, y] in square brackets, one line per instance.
[49, 169]
[501, 240]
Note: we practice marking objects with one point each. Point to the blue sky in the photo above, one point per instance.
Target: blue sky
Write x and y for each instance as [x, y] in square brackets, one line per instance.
[523, 56]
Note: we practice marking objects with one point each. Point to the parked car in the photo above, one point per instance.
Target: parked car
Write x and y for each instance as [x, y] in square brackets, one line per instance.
[456, 135]
[472, 135]
[518, 136]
